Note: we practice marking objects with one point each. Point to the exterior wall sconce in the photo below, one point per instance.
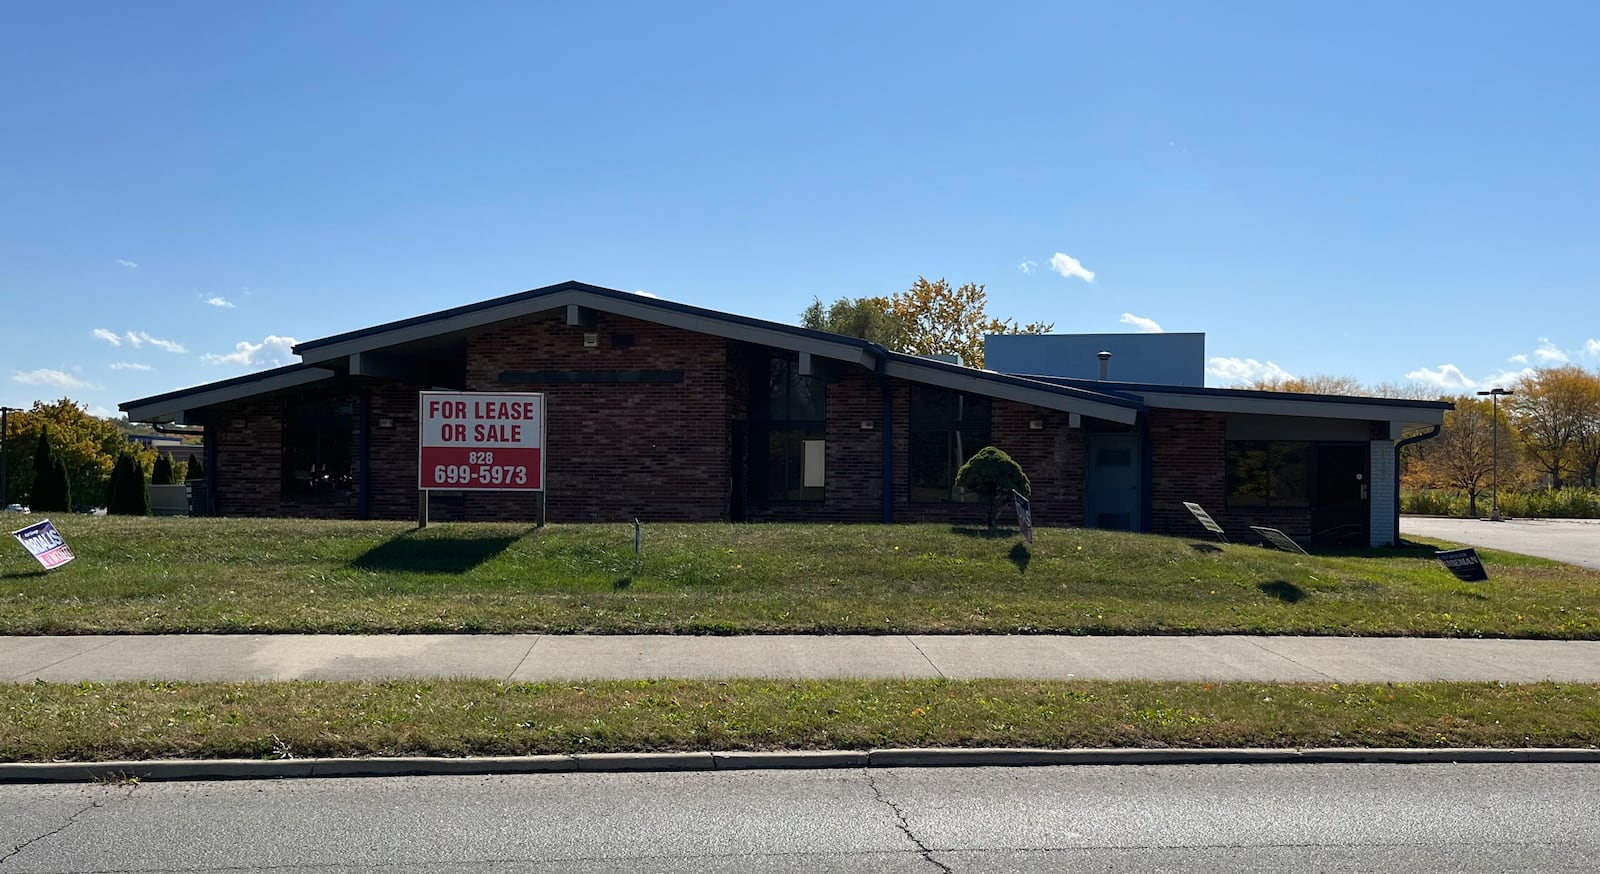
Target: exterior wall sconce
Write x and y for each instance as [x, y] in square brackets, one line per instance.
[1036, 424]
[866, 424]
[591, 340]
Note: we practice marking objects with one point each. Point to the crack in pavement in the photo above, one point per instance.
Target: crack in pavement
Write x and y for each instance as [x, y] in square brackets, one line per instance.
[905, 827]
[1264, 648]
[925, 657]
[524, 659]
[36, 671]
[17, 849]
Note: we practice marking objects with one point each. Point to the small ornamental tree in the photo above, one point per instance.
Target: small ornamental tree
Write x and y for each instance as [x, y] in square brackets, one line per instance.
[48, 493]
[196, 470]
[161, 474]
[127, 495]
[992, 474]
[60, 484]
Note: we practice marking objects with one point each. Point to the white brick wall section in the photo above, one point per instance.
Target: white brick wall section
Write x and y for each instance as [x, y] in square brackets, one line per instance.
[1381, 493]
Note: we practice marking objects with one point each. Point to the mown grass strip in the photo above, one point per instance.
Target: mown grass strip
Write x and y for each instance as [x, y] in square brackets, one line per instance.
[98, 722]
[145, 575]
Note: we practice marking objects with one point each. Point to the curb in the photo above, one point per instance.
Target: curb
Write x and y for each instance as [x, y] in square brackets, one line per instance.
[257, 769]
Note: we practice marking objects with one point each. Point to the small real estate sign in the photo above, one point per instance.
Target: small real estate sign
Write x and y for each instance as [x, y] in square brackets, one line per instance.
[481, 441]
[44, 543]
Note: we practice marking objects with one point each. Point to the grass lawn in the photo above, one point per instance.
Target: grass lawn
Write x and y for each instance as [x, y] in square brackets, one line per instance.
[234, 575]
[95, 722]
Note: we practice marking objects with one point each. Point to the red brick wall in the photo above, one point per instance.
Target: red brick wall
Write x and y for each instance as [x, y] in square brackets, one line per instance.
[1189, 463]
[614, 451]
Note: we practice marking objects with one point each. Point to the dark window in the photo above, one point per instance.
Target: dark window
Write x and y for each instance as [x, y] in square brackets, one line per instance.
[947, 428]
[1269, 473]
[317, 456]
[790, 418]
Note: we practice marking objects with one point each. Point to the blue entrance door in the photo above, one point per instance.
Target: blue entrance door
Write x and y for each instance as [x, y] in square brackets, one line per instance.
[1112, 496]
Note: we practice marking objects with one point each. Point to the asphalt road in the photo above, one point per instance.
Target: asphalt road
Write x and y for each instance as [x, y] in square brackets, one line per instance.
[1416, 818]
[1575, 541]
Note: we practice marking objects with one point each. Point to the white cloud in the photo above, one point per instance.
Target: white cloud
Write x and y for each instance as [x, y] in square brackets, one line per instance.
[105, 412]
[128, 264]
[130, 365]
[139, 338]
[1447, 376]
[1068, 267]
[642, 293]
[1505, 378]
[1549, 353]
[1236, 370]
[1591, 349]
[108, 336]
[1518, 359]
[1028, 266]
[55, 378]
[273, 351]
[1142, 324]
[220, 302]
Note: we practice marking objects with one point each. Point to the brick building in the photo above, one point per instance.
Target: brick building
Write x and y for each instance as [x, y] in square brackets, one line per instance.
[670, 412]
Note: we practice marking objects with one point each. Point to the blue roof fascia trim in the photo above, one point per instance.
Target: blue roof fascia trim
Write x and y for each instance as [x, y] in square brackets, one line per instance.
[573, 285]
[1127, 389]
[1097, 395]
[219, 384]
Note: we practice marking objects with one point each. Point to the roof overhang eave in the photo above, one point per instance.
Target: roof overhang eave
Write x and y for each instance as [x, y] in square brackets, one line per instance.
[1041, 395]
[174, 406]
[315, 352]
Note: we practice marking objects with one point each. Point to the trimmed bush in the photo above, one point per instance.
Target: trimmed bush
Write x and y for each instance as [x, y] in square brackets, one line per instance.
[50, 491]
[993, 474]
[161, 475]
[195, 470]
[127, 495]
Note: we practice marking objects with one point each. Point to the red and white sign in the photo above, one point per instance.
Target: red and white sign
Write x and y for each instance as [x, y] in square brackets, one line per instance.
[481, 441]
[45, 543]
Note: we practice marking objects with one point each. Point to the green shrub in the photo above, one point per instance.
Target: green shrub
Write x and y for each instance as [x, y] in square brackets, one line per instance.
[195, 469]
[127, 495]
[51, 491]
[162, 474]
[992, 474]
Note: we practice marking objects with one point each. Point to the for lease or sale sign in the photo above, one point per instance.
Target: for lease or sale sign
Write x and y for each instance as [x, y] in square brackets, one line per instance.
[481, 441]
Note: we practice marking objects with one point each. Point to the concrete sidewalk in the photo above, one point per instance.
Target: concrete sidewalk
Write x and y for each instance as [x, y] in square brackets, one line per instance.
[528, 657]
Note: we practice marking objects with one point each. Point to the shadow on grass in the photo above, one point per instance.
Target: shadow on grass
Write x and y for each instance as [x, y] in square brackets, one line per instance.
[1207, 548]
[621, 583]
[434, 555]
[1020, 556]
[1405, 549]
[19, 575]
[1284, 591]
[984, 533]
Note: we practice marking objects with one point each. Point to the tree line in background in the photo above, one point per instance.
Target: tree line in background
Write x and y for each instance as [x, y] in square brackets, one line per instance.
[60, 458]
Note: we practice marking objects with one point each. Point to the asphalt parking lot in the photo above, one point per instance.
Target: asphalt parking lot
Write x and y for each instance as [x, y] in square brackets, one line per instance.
[1575, 541]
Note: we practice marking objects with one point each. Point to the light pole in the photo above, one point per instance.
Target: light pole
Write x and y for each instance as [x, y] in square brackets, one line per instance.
[5, 483]
[1494, 424]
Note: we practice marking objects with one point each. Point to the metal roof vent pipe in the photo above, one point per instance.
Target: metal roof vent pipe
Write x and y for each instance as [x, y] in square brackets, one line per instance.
[1105, 364]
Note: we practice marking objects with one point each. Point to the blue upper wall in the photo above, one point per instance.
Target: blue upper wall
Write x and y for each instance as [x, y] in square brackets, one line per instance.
[1158, 359]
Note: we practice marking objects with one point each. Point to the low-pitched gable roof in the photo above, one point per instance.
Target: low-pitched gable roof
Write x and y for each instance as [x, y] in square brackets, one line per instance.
[321, 358]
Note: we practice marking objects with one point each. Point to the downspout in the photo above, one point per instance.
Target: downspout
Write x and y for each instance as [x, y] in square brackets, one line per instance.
[364, 475]
[1401, 444]
[211, 470]
[880, 369]
[1147, 456]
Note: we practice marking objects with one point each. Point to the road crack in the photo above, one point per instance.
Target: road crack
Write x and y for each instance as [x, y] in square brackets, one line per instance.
[18, 848]
[905, 827]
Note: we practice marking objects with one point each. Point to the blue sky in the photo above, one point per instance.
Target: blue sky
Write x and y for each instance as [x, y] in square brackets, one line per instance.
[1382, 190]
